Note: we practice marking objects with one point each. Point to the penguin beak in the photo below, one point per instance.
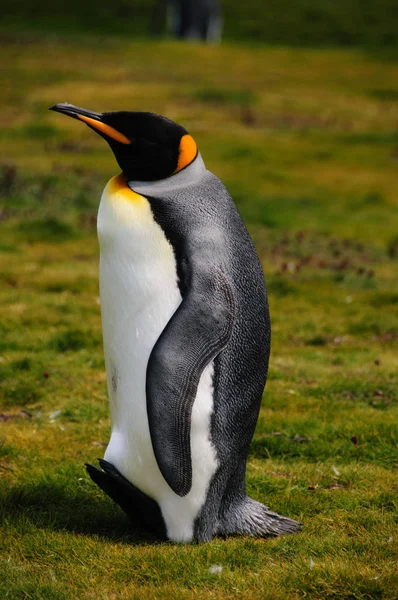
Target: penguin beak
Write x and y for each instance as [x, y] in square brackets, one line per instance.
[92, 119]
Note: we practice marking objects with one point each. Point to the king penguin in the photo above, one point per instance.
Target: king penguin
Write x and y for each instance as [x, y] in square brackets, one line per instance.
[186, 334]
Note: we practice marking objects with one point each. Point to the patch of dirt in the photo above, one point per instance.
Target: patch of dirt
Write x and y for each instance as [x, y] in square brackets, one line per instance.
[22, 414]
[292, 254]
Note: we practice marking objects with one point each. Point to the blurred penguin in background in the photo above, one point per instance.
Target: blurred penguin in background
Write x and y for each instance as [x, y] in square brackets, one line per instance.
[196, 20]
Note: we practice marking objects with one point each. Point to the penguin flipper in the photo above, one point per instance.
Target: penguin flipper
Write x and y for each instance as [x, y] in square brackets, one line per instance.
[199, 329]
[131, 500]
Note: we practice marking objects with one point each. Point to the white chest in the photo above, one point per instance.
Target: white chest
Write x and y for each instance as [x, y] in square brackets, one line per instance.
[139, 294]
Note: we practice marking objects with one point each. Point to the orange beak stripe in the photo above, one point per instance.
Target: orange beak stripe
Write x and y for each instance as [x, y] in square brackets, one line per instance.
[106, 129]
[188, 151]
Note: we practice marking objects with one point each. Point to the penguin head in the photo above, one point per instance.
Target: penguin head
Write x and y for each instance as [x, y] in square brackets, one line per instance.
[147, 147]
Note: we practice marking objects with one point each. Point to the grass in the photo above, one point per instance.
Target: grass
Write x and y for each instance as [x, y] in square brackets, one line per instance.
[306, 141]
[302, 23]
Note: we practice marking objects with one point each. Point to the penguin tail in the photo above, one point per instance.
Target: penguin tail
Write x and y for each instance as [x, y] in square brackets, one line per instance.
[253, 518]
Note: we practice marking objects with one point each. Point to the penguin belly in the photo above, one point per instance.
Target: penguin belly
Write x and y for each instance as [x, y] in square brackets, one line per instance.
[139, 294]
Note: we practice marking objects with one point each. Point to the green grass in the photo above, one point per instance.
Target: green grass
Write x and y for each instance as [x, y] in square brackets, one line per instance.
[306, 141]
[300, 23]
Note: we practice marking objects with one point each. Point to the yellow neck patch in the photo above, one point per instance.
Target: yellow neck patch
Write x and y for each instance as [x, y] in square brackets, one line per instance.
[188, 151]
[106, 129]
[117, 187]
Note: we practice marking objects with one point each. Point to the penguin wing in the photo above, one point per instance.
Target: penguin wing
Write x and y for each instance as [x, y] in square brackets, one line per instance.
[199, 329]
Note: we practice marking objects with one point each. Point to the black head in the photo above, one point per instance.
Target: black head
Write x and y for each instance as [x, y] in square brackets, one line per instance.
[147, 146]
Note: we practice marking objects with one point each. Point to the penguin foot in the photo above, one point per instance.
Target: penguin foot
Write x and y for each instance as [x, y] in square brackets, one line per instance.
[253, 518]
[137, 505]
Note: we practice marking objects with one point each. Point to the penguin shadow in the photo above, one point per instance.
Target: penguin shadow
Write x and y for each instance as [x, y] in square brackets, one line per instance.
[56, 507]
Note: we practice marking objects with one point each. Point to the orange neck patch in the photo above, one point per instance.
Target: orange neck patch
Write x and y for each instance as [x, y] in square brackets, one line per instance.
[106, 129]
[188, 151]
[118, 186]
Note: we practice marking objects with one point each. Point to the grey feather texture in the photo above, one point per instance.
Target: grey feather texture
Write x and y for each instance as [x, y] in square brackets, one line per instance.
[203, 225]
[253, 518]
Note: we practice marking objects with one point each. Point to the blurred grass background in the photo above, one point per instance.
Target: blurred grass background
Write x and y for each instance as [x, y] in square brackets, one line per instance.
[306, 140]
[303, 22]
